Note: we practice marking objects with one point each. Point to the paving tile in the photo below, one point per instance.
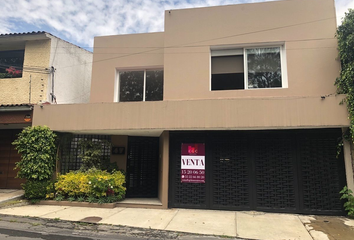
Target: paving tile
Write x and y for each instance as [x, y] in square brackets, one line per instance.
[204, 222]
[32, 210]
[269, 226]
[78, 213]
[140, 217]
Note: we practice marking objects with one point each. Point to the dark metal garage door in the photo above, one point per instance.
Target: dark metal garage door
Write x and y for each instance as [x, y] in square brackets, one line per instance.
[8, 158]
[279, 171]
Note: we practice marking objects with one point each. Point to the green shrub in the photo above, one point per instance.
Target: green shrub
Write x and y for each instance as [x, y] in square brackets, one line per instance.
[91, 154]
[36, 189]
[59, 198]
[347, 194]
[91, 185]
[37, 148]
[80, 199]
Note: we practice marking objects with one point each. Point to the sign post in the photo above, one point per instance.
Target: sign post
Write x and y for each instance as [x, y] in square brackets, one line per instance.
[193, 163]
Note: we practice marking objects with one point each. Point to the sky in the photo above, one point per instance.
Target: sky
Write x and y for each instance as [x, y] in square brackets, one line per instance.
[78, 21]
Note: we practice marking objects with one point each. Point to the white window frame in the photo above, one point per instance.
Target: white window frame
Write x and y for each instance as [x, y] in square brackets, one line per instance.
[243, 51]
[117, 81]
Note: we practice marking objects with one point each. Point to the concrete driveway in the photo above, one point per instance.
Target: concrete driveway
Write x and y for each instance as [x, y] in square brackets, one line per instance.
[10, 194]
[248, 225]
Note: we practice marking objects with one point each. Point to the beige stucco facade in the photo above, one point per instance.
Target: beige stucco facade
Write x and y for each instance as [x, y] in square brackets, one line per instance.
[17, 90]
[304, 29]
[42, 51]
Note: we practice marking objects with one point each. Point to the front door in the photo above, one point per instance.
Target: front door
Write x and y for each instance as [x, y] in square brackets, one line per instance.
[142, 167]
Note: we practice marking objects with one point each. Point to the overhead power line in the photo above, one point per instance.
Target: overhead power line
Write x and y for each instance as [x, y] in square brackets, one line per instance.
[201, 41]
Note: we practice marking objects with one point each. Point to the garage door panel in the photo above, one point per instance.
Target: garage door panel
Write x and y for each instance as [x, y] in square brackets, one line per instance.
[185, 195]
[8, 157]
[274, 173]
[321, 173]
[230, 172]
[3, 181]
[279, 171]
[15, 183]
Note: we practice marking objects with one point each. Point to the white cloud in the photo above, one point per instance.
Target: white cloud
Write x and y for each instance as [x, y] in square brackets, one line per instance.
[342, 6]
[80, 21]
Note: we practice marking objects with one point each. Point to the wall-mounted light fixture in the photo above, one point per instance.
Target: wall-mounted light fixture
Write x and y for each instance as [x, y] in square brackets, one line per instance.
[27, 118]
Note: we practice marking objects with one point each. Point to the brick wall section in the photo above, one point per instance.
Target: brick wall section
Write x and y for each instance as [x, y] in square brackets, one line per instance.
[16, 90]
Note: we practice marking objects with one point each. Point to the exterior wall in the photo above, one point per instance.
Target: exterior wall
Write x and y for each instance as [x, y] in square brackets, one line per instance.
[305, 28]
[312, 65]
[151, 118]
[16, 90]
[116, 52]
[121, 160]
[164, 169]
[72, 78]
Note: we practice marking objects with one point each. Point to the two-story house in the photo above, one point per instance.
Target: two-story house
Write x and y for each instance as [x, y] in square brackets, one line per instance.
[35, 68]
[231, 107]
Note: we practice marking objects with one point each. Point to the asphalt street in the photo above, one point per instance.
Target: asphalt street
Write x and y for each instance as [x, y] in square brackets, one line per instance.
[29, 228]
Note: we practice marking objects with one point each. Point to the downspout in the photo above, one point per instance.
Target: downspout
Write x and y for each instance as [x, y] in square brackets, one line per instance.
[52, 70]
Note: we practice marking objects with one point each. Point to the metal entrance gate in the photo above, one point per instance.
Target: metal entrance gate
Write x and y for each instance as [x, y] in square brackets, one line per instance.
[293, 171]
[142, 167]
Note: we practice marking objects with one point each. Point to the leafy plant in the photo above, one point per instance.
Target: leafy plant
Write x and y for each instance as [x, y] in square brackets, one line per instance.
[37, 148]
[36, 189]
[73, 184]
[347, 194]
[91, 154]
[93, 183]
[111, 199]
[71, 199]
[80, 199]
[34, 201]
[102, 200]
[59, 197]
[91, 199]
[345, 83]
[50, 190]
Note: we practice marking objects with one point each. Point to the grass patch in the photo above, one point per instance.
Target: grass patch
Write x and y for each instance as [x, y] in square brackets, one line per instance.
[35, 224]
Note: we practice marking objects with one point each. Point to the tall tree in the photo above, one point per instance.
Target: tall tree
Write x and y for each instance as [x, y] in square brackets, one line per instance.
[345, 83]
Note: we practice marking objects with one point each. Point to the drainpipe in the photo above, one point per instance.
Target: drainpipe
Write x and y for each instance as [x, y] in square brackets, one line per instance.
[54, 99]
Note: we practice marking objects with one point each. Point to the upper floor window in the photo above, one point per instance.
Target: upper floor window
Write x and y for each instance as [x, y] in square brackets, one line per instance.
[248, 68]
[11, 63]
[144, 85]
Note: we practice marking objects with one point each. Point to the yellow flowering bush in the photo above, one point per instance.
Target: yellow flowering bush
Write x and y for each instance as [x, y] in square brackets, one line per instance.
[73, 184]
[91, 185]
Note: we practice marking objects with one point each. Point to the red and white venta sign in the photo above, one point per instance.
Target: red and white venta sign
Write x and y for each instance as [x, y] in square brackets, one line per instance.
[193, 163]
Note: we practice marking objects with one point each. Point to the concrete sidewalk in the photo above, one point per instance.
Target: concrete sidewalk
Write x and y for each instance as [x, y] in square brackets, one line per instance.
[10, 194]
[249, 225]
